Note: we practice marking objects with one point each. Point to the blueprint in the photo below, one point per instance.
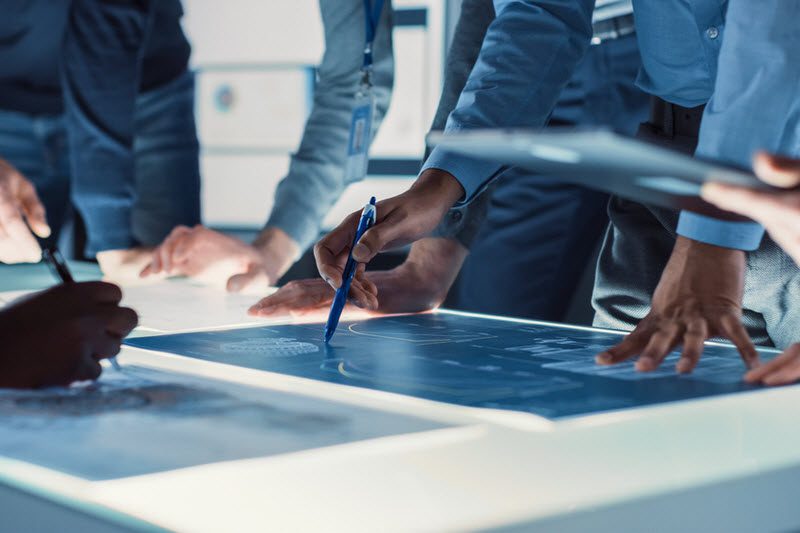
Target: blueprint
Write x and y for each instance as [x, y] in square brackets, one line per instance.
[141, 421]
[466, 360]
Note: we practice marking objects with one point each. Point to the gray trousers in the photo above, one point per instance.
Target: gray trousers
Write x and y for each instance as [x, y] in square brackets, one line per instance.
[638, 244]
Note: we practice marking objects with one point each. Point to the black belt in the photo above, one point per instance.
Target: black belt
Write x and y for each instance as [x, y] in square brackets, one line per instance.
[610, 29]
[673, 120]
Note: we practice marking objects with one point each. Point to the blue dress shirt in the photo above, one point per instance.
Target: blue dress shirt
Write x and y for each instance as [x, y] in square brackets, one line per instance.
[533, 46]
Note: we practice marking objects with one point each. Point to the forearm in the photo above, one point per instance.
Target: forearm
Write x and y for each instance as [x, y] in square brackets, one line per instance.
[427, 275]
[527, 56]
[316, 175]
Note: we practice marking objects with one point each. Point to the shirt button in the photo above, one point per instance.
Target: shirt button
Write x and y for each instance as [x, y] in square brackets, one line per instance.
[457, 216]
[712, 32]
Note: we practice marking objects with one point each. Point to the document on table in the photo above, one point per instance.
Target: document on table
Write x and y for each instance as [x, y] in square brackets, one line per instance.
[466, 360]
[141, 421]
[180, 305]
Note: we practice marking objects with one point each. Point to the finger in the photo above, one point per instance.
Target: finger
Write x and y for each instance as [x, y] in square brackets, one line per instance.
[362, 298]
[733, 329]
[331, 249]
[87, 369]
[169, 259]
[630, 346]
[26, 249]
[693, 344]
[161, 255]
[306, 298]
[754, 204]
[787, 373]
[185, 245]
[33, 209]
[105, 346]
[369, 286]
[661, 343]
[776, 170]
[121, 321]
[790, 356]
[394, 230]
[99, 292]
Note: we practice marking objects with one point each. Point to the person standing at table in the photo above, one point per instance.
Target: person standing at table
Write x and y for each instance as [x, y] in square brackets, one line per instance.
[675, 278]
[90, 130]
[320, 170]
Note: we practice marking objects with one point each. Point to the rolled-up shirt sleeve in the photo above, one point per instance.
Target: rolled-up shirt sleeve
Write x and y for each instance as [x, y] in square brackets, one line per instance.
[528, 55]
[755, 105]
[316, 176]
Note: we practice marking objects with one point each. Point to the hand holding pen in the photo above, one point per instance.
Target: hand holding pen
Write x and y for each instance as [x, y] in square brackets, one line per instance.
[367, 219]
[52, 256]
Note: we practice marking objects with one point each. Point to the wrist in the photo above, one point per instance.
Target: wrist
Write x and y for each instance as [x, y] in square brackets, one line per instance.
[442, 184]
[687, 248]
[277, 250]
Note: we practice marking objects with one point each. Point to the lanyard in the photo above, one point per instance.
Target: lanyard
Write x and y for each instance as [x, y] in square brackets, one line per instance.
[372, 16]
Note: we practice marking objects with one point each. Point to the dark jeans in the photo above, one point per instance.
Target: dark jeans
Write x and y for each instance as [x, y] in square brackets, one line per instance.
[540, 233]
[167, 174]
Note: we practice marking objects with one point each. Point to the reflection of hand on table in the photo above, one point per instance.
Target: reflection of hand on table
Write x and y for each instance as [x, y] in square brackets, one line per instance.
[58, 336]
[698, 297]
[214, 257]
[400, 220]
[18, 199]
[421, 283]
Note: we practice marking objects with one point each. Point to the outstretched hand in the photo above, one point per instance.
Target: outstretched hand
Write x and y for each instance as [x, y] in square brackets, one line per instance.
[698, 297]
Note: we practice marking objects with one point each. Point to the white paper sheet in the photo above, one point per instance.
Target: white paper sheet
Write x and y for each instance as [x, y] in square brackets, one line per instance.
[180, 305]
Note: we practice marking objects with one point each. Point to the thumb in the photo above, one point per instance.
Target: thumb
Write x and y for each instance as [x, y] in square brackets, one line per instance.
[33, 209]
[371, 243]
[776, 170]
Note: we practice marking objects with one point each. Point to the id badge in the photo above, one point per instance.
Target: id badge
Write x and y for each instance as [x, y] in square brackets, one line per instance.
[360, 136]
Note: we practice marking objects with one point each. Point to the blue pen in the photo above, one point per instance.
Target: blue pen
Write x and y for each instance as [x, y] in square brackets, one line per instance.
[340, 299]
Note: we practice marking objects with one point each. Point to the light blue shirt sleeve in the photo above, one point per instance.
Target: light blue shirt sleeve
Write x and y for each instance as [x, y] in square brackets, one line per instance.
[755, 104]
[528, 55]
[316, 176]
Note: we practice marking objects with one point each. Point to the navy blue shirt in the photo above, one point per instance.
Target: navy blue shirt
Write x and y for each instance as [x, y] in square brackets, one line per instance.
[31, 36]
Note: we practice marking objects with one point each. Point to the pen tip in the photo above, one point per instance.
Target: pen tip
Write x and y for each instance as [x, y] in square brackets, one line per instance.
[372, 200]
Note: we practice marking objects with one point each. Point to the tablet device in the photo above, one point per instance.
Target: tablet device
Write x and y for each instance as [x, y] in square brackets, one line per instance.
[604, 160]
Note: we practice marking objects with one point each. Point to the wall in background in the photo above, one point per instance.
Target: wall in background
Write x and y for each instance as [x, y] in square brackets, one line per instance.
[255, 62]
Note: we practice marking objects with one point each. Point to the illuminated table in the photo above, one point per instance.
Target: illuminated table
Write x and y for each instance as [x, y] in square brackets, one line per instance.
[728, 463]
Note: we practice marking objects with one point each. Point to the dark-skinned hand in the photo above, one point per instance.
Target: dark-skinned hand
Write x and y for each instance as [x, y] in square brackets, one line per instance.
[58, 336]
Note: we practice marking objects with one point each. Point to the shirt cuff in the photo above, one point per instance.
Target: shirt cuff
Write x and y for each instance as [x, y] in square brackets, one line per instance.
[108, 226]
[739, 235]
[473, 174]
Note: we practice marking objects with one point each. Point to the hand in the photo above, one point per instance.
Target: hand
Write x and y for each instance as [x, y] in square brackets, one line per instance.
[401, 220]
[312, 296]
[698, 297]
[783, 370]
[421, 283]
[58, 336]
[207, 254]
[778, 212]
[18, 199]
[124, 266]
